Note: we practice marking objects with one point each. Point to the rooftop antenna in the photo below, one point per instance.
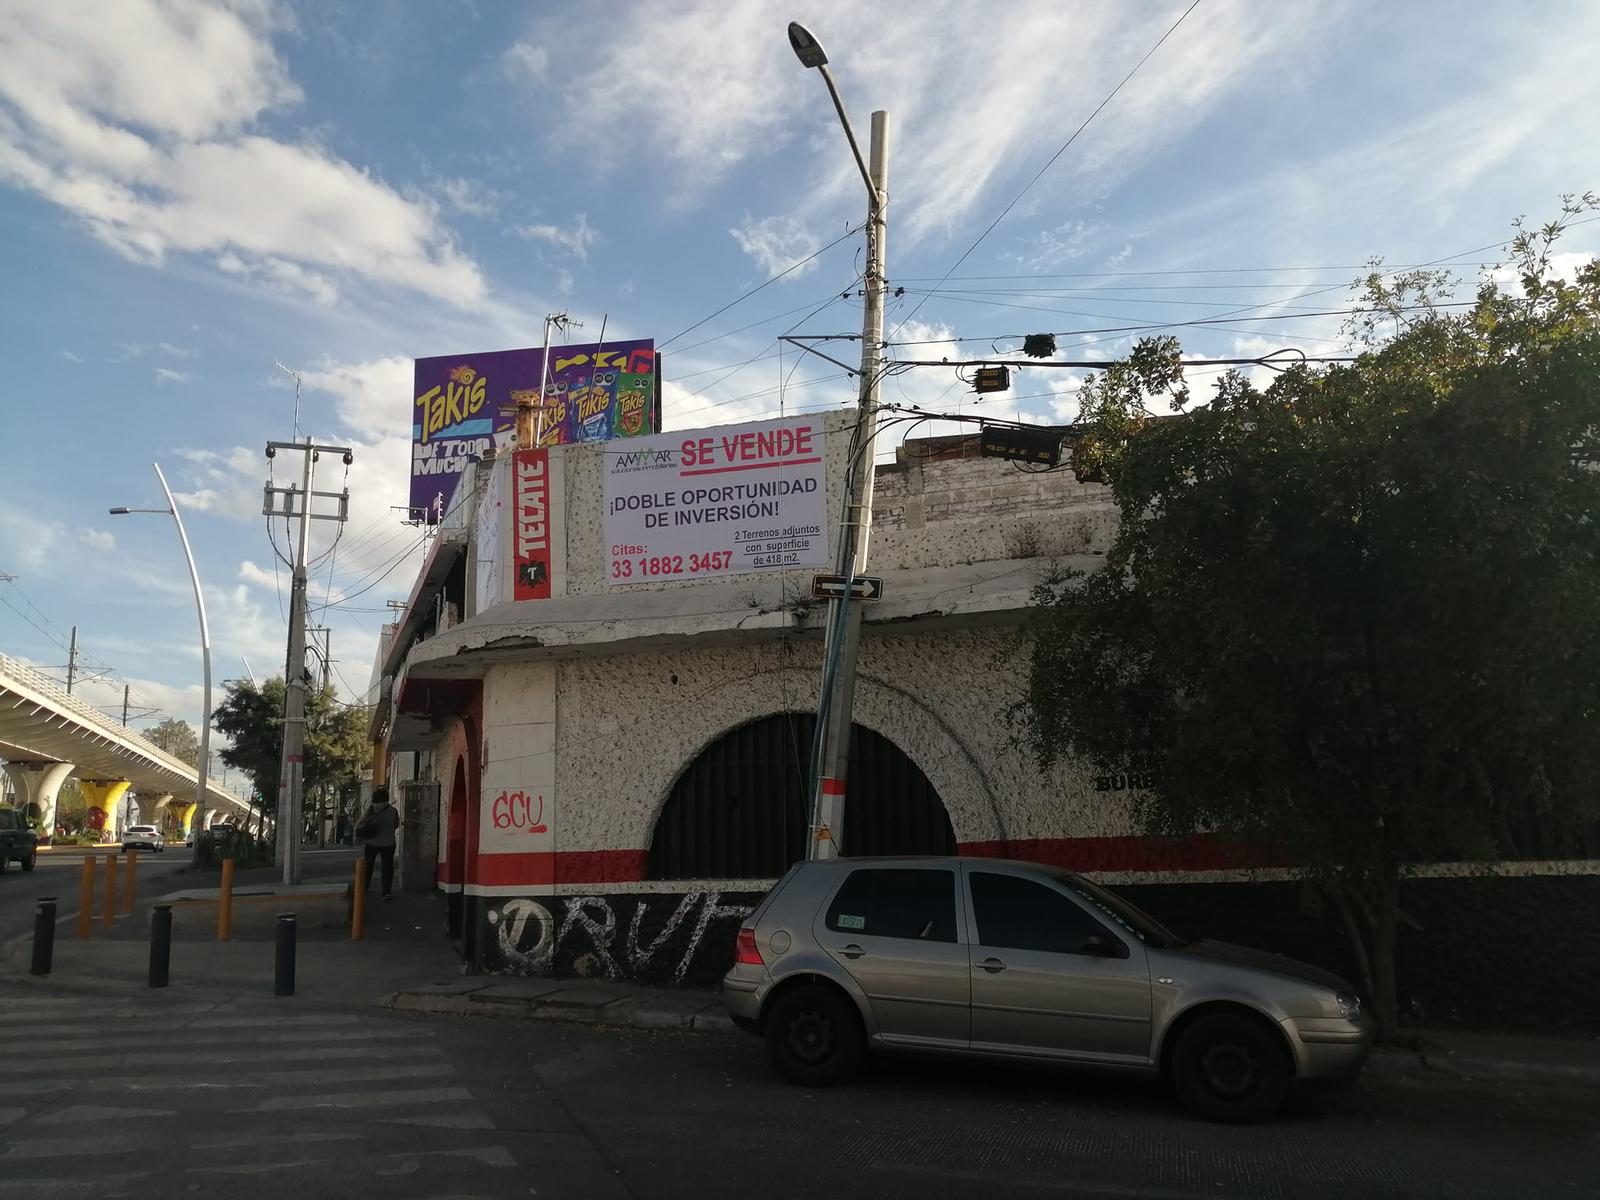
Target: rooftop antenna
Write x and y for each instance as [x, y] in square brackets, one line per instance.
[290, 371]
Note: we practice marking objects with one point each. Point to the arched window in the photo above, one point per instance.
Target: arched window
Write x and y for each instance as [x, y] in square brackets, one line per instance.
[741, 808]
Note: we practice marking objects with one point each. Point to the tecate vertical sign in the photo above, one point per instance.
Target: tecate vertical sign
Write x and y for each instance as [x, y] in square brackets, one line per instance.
[465, 403]
[530, 524]
[738, 498]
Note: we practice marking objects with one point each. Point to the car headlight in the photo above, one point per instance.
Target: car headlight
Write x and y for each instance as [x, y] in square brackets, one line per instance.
[1349, 1006]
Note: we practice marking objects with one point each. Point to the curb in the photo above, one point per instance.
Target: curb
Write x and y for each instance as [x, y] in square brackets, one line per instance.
[628, 1012]
[1422, 1064]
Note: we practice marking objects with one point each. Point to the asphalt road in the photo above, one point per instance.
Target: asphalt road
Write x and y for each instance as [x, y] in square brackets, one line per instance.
[58, 875]
[139, 1098]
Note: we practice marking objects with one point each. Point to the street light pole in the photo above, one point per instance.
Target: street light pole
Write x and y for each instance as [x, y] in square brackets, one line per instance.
[830, 759]
[197, 819]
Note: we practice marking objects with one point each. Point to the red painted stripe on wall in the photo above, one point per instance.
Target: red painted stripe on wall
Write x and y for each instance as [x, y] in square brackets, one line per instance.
[565, 866]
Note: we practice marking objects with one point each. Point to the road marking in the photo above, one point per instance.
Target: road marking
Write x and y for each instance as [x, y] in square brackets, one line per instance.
[379, 1099]
[65, 1147]
[101, 1112]
[101, 1044]
[260, 1079]
[246, 1140]
[8, 1115]
[458, 1120]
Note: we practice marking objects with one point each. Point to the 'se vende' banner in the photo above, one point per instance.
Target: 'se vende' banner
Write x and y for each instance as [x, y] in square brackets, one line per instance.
[530, 524]
[721, 501]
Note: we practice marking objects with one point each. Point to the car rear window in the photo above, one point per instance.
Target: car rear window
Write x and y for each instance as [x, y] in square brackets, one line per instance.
[897, 903]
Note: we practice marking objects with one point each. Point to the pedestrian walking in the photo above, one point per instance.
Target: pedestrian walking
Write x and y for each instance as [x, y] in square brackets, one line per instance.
[376, 829]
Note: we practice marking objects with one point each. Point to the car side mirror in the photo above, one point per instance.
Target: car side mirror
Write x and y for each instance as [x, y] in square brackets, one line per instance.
[1103, 947]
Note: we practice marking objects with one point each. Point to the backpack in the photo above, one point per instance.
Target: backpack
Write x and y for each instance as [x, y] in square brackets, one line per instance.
[368, 825]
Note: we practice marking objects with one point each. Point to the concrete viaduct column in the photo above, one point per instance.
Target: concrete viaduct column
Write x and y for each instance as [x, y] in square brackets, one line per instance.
[150, 806]
[104, 797]
[38, 784]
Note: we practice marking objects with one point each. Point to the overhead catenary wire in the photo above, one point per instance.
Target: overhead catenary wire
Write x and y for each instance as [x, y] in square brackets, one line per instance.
[1038, 175]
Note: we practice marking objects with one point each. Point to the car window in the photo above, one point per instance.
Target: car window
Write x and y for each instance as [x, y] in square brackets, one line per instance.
[896, 903]
[1025, 915]
[8, 820]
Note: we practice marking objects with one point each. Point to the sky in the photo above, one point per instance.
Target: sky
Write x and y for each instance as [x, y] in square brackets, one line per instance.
[193, 193]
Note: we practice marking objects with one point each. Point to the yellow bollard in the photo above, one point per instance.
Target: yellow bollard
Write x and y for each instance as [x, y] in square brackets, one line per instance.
[110, 914]
[225, 902]
[86, 898]
[132, 887]
[358, 903]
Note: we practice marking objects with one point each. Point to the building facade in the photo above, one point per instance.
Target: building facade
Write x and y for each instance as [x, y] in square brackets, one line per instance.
[611, 774]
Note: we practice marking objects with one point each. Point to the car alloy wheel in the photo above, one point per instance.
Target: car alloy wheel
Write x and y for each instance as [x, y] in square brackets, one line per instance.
[1229, 1065]
[814, 1036]
[811, 1037]
[1229, 1069]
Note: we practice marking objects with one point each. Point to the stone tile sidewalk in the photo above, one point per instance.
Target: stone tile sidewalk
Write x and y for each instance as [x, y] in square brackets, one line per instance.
[586, 1001]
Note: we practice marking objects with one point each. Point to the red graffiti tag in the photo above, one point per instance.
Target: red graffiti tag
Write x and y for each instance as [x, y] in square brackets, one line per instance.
[519, 811]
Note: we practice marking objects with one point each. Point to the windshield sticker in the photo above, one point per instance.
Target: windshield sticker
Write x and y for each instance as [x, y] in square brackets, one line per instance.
[848, 922]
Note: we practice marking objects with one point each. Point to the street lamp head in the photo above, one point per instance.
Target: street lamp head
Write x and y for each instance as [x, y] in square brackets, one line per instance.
[806, 48]
[119, 512]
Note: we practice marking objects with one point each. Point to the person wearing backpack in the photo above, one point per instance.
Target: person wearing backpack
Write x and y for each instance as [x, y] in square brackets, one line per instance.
[376, 830]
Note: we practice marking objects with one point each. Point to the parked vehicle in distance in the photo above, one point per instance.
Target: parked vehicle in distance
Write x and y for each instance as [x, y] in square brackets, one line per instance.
[143, 837]
[19, 843]
[1013, 960]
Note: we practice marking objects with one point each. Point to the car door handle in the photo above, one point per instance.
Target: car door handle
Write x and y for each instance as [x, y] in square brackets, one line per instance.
[852, 951]
[992, 965]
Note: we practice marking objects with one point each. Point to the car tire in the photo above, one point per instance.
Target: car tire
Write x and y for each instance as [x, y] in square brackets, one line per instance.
[4, 862]
[814, 1037]
[32, 860]
[1230, 1067]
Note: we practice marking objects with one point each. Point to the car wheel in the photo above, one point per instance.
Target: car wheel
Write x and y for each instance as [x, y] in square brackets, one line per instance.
[32, 860]
[1230, 1067]
[814, 1037]
[4, 862]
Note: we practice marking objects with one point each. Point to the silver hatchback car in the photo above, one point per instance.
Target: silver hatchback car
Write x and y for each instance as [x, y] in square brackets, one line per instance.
[1016, 960]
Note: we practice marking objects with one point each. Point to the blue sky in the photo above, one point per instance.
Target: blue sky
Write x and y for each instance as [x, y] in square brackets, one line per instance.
[191, 191]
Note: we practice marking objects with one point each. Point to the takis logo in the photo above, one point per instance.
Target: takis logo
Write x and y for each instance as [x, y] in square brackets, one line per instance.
[460, 397]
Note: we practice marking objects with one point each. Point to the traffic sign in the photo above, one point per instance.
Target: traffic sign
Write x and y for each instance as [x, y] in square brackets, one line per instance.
[865, 587]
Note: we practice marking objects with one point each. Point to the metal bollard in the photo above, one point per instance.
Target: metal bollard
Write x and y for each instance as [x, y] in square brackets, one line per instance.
[160, 944]
[225, 902]
[283, 968]
[110, 914]
[132, 886]
[358, 903]
[44, 935]
[86, 897]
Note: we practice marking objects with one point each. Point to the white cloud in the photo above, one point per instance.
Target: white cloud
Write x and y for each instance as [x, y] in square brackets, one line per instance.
[28, 541]
[70, 356]
[224, 484]
[470, 198]
[1052, 247]
[99, 539]
[172, 351]
[135, 118]
[776, 243]
[564, 281]
[260, 576]
[168, 375]
[966, 133]
[525, 58]
[574, 239]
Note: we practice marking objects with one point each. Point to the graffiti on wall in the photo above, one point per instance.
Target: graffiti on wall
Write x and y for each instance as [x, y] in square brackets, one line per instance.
[679, 938]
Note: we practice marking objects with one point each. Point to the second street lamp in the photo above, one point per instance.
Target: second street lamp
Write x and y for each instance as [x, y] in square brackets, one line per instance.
[198, 816]
[830, 751]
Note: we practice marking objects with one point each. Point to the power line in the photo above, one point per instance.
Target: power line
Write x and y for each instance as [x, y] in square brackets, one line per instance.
[786, 271]
[1064, 147]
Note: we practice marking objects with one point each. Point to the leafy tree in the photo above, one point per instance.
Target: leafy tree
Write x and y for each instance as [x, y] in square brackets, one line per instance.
[1352, 619]
[177, 738]
[336, 749]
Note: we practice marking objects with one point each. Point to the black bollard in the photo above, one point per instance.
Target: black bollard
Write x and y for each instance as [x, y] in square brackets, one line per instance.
[283, 974]
[160, 945]
[44, 935]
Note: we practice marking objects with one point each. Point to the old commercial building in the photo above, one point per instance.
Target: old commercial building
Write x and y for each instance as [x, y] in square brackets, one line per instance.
[618, 760]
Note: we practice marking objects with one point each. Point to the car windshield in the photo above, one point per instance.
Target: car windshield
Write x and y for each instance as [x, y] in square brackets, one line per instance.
[1125, 913]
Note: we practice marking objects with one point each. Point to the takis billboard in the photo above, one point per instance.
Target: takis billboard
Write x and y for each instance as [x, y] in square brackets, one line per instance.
[462, 404]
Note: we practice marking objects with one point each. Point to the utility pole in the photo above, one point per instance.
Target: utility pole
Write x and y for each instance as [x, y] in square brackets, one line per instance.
[72, 661]
[530, 419]
[291, 771]
[124, 705]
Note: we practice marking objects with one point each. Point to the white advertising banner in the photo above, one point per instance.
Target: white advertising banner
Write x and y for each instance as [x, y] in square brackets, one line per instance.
[722, 501]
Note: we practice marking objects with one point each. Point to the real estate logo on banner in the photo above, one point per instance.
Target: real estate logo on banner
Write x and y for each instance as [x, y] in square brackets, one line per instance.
[737, 498]
[463, 404]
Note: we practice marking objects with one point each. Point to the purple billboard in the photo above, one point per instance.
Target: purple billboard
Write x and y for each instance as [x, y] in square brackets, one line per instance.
[463, 404]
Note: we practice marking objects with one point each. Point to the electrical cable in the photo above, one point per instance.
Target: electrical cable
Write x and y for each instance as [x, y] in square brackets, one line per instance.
[1052, 161]
[786, 271]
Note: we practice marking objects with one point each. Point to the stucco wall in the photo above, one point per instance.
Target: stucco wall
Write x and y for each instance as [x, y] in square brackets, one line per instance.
[627, 725]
